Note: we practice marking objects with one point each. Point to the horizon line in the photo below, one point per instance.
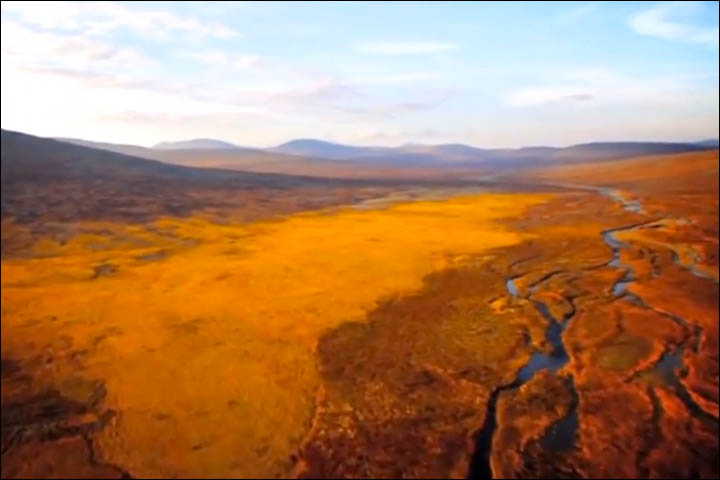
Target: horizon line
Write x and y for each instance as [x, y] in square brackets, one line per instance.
[400, 145]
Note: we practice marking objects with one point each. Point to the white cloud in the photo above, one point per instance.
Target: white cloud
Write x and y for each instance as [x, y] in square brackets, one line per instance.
[672, 21]
[313, 95]
[406, 48]
[25, 47]
[390, 109]
[245, 61]
[533, 96]
[225, 59]
[91, 18]
[397, 78]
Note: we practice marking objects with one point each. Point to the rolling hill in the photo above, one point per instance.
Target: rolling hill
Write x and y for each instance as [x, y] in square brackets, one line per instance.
[26, 157]
[673, 173]
[46, 181]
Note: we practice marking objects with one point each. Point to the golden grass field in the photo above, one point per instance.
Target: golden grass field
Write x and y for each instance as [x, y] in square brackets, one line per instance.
[207, 348]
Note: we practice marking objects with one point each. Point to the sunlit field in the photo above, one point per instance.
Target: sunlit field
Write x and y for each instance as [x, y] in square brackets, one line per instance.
[204, 334]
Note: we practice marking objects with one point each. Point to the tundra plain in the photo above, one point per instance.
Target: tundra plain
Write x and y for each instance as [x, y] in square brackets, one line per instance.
[560, 322]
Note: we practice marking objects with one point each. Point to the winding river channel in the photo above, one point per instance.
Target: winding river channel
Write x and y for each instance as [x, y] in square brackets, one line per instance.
[671, 362]
[561, 435]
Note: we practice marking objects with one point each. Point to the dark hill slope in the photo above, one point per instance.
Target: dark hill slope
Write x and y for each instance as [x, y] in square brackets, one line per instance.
[46, 181]
[28, 158]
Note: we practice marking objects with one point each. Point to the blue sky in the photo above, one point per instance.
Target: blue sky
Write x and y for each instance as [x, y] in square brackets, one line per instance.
[257, 74]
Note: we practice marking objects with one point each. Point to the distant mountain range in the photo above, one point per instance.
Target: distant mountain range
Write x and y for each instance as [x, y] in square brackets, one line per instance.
[323, 149]
[711, 142]
[320, 158]
[468, 155]
[237, 158]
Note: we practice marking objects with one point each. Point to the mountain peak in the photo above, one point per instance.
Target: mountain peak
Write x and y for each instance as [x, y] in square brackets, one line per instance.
[197, 143]
[320, 148]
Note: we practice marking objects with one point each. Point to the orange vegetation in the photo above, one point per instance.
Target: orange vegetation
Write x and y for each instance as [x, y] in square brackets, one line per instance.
[203, 334]
[690, 172]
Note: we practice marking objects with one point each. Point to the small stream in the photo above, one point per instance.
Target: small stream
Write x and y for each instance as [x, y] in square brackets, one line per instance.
[617, 195]
[667, 369]
[562, 434]
[620, 287]
[671, 364]
[539, 360]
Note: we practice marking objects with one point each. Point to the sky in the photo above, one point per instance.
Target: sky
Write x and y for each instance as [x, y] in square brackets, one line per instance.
[366, 73]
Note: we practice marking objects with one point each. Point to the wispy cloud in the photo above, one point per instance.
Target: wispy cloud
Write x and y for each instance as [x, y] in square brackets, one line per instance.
[92, 18]
[225, 59]
[672, 21]
[578, 14]
[24, 46]
[533, 96]
[406, 48]
[392, 108]
[383, 110]
[604, 87]
[318, 96]
[100, 80]
[397, 78]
